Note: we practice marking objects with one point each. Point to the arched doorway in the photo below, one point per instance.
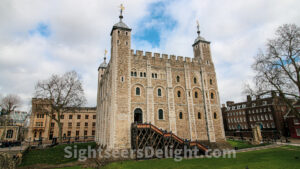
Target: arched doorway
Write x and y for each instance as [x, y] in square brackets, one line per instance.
[138, 115]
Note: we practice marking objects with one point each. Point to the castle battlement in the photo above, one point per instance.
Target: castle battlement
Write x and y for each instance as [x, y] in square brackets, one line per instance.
[165, 57]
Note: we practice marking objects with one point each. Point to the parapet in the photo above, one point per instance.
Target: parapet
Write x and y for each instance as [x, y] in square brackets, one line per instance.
[164, 57]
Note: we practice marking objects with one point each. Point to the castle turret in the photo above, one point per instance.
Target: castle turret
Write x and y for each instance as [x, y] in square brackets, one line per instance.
[198, 46]
[121, 65]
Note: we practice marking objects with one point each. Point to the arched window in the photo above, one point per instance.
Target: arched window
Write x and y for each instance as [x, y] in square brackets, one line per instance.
[199, 115]
[196, 94]
[178, 79]
[210, 81]
[159, 92]
[141, 74]
[9, 133]
[131, 73]
[195, 80]
[211, 95]
[178, 93]
[135, 74]
[215, 115]
[180, 115]
[160, 114]
[138, 91]
[144, 74]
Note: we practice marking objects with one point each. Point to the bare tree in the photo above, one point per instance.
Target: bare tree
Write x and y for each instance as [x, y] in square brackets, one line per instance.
[8, 104]
[277, 67]
[66, 95]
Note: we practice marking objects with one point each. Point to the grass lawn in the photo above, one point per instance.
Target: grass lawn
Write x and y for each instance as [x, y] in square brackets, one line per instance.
[276, 158]
[54, 155]
[243, 144]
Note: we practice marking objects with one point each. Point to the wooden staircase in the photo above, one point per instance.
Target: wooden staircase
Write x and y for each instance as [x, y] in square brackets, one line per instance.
[147, 135]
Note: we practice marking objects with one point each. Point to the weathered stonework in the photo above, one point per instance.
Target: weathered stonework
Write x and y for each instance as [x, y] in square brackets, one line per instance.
[184, 89]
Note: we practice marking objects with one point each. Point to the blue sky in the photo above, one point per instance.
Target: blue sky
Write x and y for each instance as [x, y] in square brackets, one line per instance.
[56, 36]
[153, 23]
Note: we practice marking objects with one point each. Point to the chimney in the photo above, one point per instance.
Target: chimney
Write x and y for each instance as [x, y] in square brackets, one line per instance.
[229, 103]
[248, 98]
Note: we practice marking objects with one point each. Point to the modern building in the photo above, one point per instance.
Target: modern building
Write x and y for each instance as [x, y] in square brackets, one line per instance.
[265, 110]
[78, 125]
[173, 93]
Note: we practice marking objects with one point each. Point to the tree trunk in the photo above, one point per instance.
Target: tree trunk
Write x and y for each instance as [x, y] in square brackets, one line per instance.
[60, 133]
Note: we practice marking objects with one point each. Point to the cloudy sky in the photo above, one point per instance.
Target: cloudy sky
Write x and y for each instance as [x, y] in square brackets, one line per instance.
[42, 37]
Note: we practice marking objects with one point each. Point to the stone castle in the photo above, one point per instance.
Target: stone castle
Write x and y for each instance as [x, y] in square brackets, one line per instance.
[173, 93]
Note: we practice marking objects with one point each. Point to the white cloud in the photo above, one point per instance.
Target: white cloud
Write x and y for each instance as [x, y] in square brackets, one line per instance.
[80, 31]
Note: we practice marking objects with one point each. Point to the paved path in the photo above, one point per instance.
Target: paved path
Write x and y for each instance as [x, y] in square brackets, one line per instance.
[259, 148]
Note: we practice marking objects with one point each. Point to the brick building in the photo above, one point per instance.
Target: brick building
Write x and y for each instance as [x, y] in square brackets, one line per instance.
[78, 125]
[266, 110]
[173, 93]
[293, 123]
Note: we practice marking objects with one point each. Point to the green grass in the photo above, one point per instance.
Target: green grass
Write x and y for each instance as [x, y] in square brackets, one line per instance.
[276, 158]
[54, 155]
[243, 144]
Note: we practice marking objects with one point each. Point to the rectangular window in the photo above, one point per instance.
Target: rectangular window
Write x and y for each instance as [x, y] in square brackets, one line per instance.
[85, 132]
[70, 116]
[69, 133]
[69, 124]
[94, 124]
[86, 124]
[298, 132]
[296, 122]
[78, 116]
[86, 116]
[94, 116]
[93, 132]
[78, 124]
[77, 133]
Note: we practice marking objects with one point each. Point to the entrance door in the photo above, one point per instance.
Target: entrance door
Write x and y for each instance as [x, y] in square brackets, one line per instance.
[138, 116]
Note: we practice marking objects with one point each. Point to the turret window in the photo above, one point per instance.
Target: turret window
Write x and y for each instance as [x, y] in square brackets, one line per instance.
[215, 115]
[159, 92]
[210, 81]
[195, 80]
[160, 114]
[126, 33]
[138, 91]
[180, 115]
[196, 94]
[211, 95]
[178, 79]
[178, 93]
[199, 115]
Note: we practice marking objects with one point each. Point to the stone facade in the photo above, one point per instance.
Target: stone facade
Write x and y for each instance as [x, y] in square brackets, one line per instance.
[174, 93]
[80, 123]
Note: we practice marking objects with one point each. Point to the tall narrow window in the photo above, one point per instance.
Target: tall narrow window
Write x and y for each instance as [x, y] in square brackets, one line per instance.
[196, 94]
[141, 74]
[195, 80]
[215, 115]
[159, 92]
[131, 73]
[144, 74]
[160, 114]
[180, 115]
[199, 115]
[178, 79]
[211, 95]
[138, 91]
[178, 93]
[9, 133]
[210, 81]
[135, 74]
